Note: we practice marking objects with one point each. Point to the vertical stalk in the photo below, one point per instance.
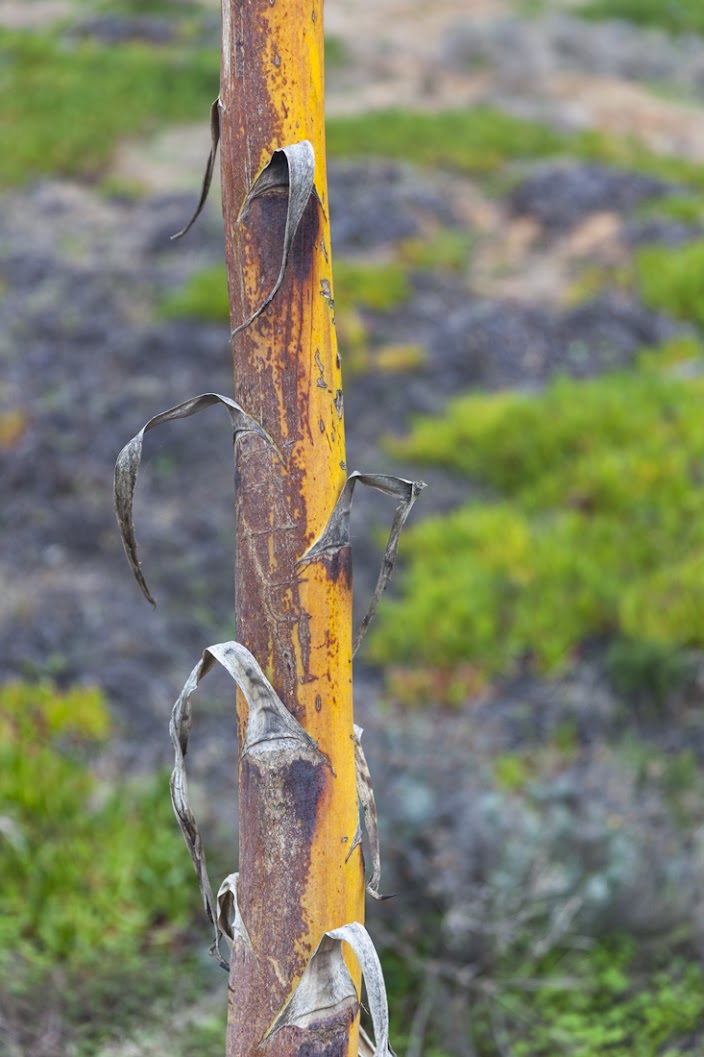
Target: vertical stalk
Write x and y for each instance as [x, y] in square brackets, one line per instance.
[298, 814]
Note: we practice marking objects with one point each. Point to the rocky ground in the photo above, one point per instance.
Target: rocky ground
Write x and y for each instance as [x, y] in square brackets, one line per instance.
[87, 361]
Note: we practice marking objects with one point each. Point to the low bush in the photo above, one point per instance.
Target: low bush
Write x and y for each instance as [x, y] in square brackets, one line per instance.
[95, 876]
[672, 280]
[64, 103]
[674, 16]
[593, 526]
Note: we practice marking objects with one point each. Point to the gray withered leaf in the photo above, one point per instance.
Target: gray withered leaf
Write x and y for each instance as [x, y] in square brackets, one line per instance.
[326, 987]
[292, 167]
[209, 167]
[337, 531]
[365, 794]
[230, 920]
[129, 459]
[268, 721]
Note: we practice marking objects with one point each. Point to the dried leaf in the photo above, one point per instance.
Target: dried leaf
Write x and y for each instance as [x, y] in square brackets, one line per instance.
[269, 721]
[326, 987]
[325, 990]
[128, 462]
[294, 168]
[230, 920]
[365, 793]
[366, 1046]
[209, 168]
[337, 531]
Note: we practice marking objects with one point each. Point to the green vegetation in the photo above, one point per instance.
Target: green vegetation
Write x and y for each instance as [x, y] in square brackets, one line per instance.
[377, 287]
[476, 141]
[64, 104]
[95, 877]
[204, 297]
[610, 1007]
[672, 280]
[593, 526]
[687, 208]
[447, 250]
[483, 140]
[674, 16]
[580, 1003]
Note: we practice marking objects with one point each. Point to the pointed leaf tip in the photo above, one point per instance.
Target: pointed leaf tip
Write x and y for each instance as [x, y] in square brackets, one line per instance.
[209, 168]
[129, 460]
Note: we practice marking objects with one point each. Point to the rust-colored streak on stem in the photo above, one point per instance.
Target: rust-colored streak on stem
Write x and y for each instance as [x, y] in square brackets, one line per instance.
[298, 810]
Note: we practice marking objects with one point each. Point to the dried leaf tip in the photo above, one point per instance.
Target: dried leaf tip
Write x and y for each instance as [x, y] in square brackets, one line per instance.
[129, 460]
[209, 168]
[337, 531]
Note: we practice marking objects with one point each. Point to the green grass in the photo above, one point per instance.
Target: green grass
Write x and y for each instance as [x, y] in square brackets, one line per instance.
[203, 296]
[65, 105]
[593, 526]
[475, 141]
[377, 287]
[96, 882]
[674, 16]
[614, 1009]
[483, 140]
[685, 208]
[591, 1002]
[672, 280]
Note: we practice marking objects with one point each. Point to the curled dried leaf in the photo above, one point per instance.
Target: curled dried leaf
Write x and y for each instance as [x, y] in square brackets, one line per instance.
[270, 722]
[230, 920]
[365, 793]
[209, 168]
[129, 459]
[337, 531]
[293, 168]
[327, 989]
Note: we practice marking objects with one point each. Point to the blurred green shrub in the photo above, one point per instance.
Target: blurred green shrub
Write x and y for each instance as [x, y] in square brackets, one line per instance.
[609, 1007]
[89, 871]
[593, 526]
[64, 103]
[482, 140]
[203, 296]
[674, 16]
[671, 279]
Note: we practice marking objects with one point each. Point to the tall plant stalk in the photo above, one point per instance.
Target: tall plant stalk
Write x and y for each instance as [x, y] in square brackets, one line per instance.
[298, 817]
[293, 914]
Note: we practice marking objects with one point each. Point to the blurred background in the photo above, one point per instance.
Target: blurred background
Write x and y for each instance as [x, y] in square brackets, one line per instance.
[517, 201]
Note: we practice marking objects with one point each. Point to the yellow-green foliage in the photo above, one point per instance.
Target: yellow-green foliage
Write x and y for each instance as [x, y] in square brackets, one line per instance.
[688, 209]
[482, 140]
[446, 250]
[593, 525]
[64, 104]
[674, 16]
[86, 869]
[378, 287]
[478, 141]
[672, 280]
[613, 1009]
[204, 297]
